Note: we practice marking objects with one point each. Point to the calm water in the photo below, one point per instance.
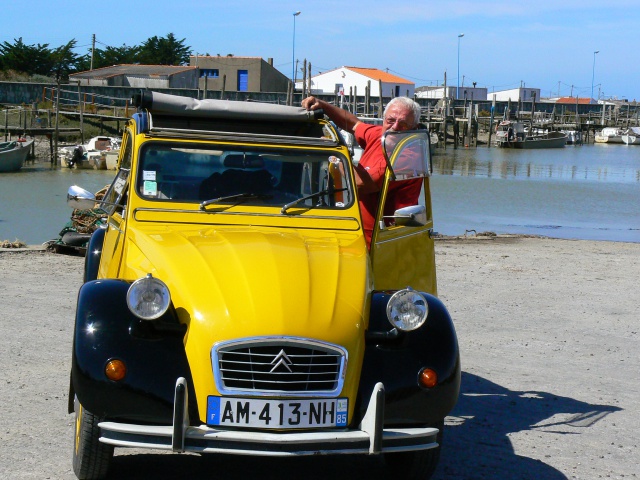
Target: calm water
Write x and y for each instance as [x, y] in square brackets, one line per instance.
[583, 192]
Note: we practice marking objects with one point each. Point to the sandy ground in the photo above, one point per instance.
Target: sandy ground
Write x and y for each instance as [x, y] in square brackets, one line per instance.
[549, 335]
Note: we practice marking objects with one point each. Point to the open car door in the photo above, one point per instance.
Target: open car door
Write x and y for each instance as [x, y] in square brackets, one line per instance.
[402, 247]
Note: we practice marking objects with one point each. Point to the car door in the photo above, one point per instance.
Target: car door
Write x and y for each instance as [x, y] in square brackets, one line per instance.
[402, 247]
[115, 203]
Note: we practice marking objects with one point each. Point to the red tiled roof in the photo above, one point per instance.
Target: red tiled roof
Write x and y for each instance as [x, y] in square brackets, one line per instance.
[574, 100]
[376, 74]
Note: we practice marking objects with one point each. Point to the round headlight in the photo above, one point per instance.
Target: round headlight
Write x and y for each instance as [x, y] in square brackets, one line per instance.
[148, 298]
[407, 310]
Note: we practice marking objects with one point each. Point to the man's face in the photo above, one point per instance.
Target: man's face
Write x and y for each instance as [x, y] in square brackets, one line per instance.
[398, 118]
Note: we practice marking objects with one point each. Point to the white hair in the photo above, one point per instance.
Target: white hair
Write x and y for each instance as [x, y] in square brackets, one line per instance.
[408, 103]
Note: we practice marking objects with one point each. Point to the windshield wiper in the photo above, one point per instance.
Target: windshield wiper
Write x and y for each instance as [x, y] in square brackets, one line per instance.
[238, 196]
[326, 191]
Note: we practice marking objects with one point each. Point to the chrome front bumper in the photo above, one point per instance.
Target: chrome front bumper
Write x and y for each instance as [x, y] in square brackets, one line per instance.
[369, 438]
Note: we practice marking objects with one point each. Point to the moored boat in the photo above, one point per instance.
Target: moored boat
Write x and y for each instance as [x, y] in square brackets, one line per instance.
[574, 137]
[511, 134]
[632, 136]
[13, 154]
[90, 155]
[610, 135]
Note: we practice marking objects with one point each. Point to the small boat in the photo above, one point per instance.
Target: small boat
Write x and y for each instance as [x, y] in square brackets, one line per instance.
[90, 155]
[13, 154]
[511, 134]
[632, 137]
[574, 137]
[610, 135]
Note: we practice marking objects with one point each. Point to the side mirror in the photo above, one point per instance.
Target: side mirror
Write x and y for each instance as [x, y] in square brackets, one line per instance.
[80, 198]
[412, 216]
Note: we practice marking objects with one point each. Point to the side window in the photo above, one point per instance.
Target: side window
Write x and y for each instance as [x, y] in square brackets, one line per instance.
[125, 162]
[400, 194]
[409, 154]
[116, 198]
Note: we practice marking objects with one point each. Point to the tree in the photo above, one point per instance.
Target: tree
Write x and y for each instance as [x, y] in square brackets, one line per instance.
[164, 51]
[58, 63]
[64, 61]
[29, 59]
[118, 55]
[109, 56]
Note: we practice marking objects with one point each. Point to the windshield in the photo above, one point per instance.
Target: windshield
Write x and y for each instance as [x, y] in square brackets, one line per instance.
[224, 174]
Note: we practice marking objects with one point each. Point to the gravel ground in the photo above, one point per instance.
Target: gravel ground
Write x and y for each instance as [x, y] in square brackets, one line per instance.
[549, 338]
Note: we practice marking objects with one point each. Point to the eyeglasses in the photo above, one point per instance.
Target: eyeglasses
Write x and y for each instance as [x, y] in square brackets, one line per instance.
[400, 124]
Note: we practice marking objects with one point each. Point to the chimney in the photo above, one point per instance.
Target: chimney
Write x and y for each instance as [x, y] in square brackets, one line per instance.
[270, 61]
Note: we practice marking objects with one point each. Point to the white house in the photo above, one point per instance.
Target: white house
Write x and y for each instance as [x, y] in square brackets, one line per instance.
[515, 94]
[355, 80]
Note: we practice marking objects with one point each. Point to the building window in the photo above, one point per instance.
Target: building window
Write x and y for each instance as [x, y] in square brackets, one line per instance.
[209, 72]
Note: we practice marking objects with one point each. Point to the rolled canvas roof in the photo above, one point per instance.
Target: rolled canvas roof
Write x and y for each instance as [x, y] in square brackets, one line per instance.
[164, 104]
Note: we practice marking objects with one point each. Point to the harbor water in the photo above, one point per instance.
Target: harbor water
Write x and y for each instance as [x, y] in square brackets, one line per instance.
[587, 192]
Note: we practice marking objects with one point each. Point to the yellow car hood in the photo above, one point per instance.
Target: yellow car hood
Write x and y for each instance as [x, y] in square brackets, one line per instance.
[245, 281]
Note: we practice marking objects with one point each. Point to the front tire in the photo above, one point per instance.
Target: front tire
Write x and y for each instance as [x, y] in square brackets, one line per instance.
[420, 464]
[91, 458]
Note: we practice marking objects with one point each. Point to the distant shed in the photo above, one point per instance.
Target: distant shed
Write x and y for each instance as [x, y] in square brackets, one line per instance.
[140, 76]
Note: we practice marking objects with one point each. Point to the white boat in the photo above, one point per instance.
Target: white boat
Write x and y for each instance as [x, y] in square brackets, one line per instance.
[510, 134]
[90, 155]
[13, 154]
[632, 137]
[610, 135]
[574, 137]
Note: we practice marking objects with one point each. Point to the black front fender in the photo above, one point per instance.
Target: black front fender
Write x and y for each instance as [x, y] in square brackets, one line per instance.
[395, 359]
[153, 352]
[94, 252]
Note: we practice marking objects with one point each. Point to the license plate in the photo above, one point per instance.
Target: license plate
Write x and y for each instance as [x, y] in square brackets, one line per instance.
[281, 414]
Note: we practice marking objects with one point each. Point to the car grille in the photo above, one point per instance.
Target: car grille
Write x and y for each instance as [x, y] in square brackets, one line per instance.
[283, 366]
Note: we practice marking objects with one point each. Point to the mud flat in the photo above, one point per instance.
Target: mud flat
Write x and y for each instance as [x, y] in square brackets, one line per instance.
[549, 335]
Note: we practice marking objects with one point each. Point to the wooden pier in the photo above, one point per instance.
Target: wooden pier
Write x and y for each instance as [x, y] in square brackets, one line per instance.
[460, 123]
[35, 122]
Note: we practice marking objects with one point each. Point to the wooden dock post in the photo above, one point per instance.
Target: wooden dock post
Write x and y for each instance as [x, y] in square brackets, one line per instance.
[54, 156]
[367, 99]
[355, 100]
[493, 110]
[304, 78]
[81, 107]
[380, 109]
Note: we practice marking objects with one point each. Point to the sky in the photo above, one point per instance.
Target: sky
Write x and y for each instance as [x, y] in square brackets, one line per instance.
[542, 44]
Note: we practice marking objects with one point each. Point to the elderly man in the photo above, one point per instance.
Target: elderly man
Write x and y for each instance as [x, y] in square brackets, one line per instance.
[400, 114]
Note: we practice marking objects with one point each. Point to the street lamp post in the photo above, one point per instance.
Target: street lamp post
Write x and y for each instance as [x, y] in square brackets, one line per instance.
[593, 73]
[293, 59]
[458, 80]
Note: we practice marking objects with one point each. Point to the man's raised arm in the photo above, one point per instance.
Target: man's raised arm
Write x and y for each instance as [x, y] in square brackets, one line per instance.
[341, 117]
